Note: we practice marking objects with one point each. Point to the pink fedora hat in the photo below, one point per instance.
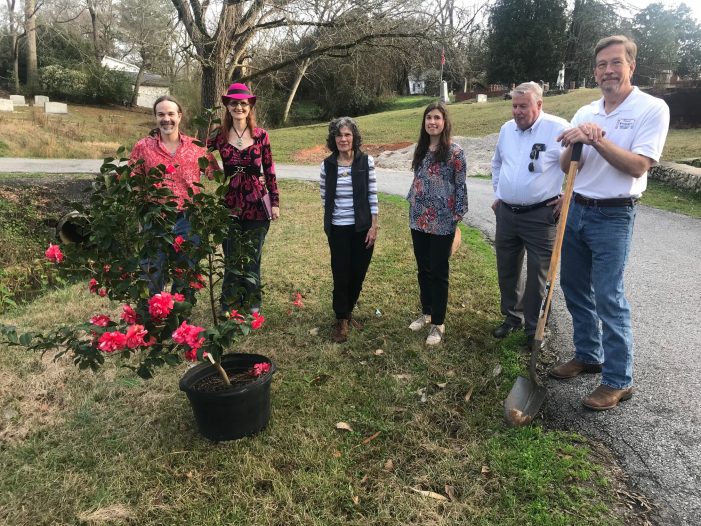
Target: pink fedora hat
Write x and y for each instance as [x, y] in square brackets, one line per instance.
[238, 91]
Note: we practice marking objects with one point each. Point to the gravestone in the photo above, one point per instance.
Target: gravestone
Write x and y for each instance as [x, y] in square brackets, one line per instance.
[6, 105]
[40, 100]
[444, 92]
[56, 107]
[18, 100]
[481, 97]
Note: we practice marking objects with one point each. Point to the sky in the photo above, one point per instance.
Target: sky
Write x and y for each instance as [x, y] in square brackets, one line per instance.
[695, 5]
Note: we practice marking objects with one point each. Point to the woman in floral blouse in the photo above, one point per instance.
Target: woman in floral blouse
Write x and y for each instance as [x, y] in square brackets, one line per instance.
[245, 150]
[437, 203]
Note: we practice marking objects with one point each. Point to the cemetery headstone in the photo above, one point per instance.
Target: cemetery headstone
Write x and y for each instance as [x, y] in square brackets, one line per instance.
[56, 107]
[6, 105]
[40, 100]
[18, 100]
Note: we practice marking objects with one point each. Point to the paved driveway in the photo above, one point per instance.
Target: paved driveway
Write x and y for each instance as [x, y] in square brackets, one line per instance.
[657, 434]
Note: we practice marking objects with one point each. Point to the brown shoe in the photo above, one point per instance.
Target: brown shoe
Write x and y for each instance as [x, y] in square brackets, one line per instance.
[573, 368]
[339, 334]
[356, 324]
[605, 397]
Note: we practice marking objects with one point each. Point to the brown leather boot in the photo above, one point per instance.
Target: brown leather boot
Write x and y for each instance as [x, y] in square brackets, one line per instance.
[573, 368]
[605, 397]
[339, 334]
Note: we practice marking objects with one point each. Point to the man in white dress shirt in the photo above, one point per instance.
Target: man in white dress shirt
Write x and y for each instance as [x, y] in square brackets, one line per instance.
[527, 182]
[623, 134]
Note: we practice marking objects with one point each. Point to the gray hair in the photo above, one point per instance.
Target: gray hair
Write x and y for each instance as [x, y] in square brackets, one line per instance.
[630, 46]
[528, 87]
[335, 130]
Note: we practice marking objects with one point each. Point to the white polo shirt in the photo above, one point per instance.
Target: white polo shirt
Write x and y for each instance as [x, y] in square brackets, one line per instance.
[513, 183]
[638, 125]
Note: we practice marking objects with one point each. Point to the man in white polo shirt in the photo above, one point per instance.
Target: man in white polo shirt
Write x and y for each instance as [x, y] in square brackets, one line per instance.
[527, 181]
[623, 135]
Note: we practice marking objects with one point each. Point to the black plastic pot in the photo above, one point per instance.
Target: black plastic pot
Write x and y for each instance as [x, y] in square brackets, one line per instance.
[233, 413]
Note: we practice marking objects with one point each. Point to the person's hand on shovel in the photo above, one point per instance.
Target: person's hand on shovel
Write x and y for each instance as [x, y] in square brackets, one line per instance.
[586, 133]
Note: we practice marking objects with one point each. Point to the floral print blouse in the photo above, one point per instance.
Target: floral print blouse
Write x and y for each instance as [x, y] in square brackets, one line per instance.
[245, 191]
[438, 195]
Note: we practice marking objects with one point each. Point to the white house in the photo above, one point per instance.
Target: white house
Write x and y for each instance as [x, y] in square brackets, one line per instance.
[417, 84]
[152, 85]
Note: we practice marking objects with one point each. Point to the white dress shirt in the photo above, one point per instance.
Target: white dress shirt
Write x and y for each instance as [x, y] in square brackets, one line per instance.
[512, 181]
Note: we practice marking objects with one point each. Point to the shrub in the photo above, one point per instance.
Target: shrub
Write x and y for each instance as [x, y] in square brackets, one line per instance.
[96, 85]
[62, 83]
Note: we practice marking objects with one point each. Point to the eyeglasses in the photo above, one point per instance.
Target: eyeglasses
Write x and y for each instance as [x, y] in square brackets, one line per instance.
[535, 151]
[235, 103]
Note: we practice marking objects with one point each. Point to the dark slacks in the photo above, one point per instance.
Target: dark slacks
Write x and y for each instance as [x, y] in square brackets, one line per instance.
[350, 260]
[241, 284]
[432, 253]
[532, 233]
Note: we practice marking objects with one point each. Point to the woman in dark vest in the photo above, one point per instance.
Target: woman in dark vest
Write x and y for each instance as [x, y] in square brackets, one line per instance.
[349, 195]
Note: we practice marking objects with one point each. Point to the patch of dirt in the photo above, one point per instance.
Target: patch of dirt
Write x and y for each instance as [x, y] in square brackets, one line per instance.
[318, 153]
[52, 194]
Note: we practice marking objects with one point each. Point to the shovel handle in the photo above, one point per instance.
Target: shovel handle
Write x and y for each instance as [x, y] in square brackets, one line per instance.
[555, 257]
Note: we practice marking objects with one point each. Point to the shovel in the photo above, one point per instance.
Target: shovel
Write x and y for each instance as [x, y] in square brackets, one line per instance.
[527, 394]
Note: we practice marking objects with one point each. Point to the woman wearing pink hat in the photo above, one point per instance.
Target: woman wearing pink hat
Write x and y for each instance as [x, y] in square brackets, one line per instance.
[252, 199]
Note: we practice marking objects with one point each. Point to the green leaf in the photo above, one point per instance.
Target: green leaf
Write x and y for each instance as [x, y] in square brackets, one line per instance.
[26, 339]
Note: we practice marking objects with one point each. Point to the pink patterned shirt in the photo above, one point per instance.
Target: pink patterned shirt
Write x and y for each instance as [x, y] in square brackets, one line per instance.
[187, 169]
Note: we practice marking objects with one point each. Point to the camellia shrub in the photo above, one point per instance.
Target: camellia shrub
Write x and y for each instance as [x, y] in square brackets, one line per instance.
[127, 224]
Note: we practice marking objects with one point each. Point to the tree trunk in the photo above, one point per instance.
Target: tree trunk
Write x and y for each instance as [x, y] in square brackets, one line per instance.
[30, 28]
[137, 84]
[213, 85]
[15, 61]
[300, 75]
[95, 40]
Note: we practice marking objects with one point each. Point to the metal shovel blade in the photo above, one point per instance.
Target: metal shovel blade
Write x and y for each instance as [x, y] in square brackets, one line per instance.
[523, 402]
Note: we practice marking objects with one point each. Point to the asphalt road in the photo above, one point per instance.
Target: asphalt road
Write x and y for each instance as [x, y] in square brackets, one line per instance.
[657, 434]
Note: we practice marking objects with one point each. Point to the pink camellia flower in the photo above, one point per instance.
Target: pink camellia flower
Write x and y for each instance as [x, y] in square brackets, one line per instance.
[102, 292]
[178, 272]
[93, 285]
[198, 282]
[101, 320]
[128, 314]
[170, 169]
[258, 320]
[178, 297]
[191, 355]
[160, 306]
[188, 335]
[235, 315]
[135, 336]
[54, 254]
[178, 243]
[298, 301]
[106, 268]
[259, 369]
[112, 341]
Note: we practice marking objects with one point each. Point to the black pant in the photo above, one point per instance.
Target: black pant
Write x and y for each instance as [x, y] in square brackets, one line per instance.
[350, 260]
[432, 252]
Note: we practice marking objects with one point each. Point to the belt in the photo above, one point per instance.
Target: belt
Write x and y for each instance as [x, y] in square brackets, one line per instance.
[617, 201]
[251, 170]
[527, 208]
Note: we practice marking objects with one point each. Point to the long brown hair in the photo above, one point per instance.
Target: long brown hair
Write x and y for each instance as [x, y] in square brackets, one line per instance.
[228, 121]
[441, 155]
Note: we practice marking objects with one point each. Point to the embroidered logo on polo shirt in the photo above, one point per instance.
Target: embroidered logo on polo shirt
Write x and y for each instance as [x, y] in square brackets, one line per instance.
[625, 124]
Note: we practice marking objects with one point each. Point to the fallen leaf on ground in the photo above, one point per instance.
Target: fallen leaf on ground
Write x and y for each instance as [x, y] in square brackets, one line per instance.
[318, 380]
[442, 385]
[343, 425]
[336, 453]
[402, 376]
[485, 470]
[389, 465]
[497, 370]
[356, 500]
[364, 479]
[450, 491]
[517, 418]
[371, 438]
[314, 331]
[450, 373]
[379, 352]
[398, 409]
[468, 395]
[422, 393]
[431, 494]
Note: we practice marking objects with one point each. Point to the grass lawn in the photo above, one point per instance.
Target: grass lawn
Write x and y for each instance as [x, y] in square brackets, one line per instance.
[668, 197]
[108, 448]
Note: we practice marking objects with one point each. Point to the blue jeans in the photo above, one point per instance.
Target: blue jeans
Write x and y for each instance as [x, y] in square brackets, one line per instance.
[155, 269]
[243, 290]
[594, 255]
